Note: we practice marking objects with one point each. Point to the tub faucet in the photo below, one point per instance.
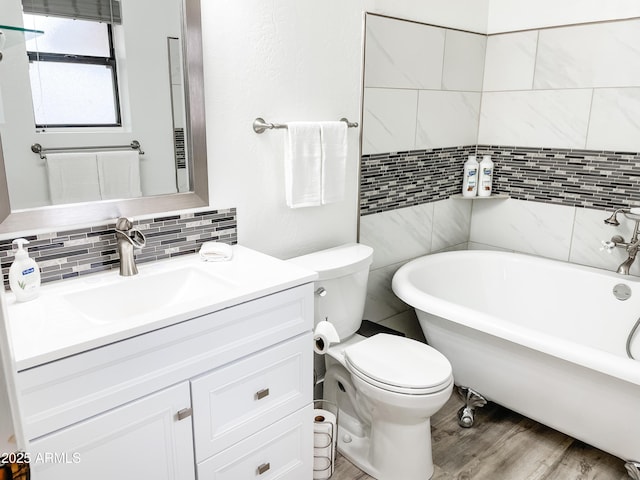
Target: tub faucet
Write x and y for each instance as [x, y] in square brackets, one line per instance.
[617, 241]
[128, 238]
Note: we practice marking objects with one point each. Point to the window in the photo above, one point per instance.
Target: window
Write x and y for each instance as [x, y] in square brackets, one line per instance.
[72, 69]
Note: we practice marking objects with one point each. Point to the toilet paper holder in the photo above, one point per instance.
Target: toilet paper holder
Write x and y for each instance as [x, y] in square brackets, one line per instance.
[325, 438]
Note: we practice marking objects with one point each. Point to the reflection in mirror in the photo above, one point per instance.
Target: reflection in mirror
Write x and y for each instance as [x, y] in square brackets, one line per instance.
[178, 113]
[143, 83]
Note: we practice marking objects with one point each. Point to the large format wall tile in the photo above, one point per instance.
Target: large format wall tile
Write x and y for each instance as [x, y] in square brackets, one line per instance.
[464, 54]
[553, 118]
[589, 231]
[523, 226]
[381, 302]
[389, 122]
[398, 235]
[447, 118]
[510, 61]
[451, 219]
[615, 119]
[403, 54]
[596, 55]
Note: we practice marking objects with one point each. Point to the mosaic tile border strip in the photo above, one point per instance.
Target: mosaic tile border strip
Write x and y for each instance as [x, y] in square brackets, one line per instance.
[389, 181]
[597, 179]
[71, 253]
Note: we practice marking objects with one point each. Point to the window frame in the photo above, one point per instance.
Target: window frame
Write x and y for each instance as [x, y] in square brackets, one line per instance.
[109, 62]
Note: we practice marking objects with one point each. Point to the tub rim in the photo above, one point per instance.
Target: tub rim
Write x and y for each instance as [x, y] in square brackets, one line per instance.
[599, 360]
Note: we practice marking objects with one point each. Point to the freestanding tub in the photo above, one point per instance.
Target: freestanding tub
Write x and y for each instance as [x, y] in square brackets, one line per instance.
[542, 337]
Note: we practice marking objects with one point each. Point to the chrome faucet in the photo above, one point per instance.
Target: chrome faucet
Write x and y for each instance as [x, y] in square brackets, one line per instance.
[617, 241]
[128, 238]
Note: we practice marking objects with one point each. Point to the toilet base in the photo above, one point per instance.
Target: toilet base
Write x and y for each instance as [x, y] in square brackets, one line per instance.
[395, 464]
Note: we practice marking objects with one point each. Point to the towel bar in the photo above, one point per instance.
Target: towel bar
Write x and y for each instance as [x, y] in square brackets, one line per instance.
[260, 125]
[37, 148]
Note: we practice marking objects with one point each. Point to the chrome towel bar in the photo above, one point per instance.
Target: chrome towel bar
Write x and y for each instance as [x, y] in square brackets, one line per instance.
[37, 148]
[260, 125]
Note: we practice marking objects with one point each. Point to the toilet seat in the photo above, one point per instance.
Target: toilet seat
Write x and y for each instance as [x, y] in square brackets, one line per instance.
[399, 364]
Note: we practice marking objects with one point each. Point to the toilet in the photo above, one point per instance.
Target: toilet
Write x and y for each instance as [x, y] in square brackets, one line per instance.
[386, 386]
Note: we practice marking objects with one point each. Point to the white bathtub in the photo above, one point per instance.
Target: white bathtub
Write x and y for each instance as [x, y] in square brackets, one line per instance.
[544, 338]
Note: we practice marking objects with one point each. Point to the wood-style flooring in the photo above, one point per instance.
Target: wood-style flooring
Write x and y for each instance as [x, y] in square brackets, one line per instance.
[503, 445]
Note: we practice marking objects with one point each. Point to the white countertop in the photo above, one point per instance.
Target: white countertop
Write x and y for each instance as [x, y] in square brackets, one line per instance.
[52, 327]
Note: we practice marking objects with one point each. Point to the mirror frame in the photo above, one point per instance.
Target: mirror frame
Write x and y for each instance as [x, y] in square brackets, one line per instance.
[54, 218]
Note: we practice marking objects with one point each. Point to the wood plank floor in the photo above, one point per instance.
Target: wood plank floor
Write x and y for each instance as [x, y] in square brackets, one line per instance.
[503, 445]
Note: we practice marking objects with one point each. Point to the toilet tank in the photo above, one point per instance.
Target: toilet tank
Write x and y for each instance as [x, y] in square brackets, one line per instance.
[343, 273]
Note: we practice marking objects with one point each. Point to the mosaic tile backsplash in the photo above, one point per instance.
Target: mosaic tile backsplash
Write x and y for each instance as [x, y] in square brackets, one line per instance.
[577, 178]
[389, 181]
[570, 177]
[71, 253]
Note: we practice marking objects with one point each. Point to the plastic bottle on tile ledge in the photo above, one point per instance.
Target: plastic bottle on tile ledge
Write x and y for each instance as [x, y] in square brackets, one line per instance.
[470, 180]
[485, 178]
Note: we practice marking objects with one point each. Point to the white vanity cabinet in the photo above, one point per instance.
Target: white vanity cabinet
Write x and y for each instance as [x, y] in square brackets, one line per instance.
[143, 439]
[225, 395]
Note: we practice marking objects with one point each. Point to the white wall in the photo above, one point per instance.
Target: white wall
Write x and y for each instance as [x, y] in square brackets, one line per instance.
[510, 15]
[468, 15]
[287, 61]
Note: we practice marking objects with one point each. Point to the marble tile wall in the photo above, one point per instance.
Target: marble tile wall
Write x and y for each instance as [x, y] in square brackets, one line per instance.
[420, 122]
[572, 94]
[566, 87]
[568, 97]
[400, 235]
[565, 233]
[425, 104]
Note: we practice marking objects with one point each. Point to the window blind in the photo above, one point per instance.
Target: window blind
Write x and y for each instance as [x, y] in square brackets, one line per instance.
[107, 11]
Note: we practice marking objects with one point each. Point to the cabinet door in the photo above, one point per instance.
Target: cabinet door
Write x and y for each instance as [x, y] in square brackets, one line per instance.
[145, 439]
[11, 435]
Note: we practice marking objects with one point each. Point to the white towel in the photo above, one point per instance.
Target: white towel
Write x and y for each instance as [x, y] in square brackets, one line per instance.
[73, 177]
[303, 165]
[119, 174]
[216, 252]
[333, 137]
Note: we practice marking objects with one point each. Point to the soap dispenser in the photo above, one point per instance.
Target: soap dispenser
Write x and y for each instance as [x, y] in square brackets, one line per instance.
[24, 274]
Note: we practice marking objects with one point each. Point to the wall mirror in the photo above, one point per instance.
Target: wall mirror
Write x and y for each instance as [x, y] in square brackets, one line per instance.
[158, 92]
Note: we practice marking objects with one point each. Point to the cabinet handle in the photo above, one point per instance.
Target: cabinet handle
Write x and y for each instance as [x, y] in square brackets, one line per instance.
[263, 468]
[260, 394]
[184, 413]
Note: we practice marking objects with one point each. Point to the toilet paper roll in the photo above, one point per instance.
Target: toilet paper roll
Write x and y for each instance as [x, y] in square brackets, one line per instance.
[323, 336]
[324, 453]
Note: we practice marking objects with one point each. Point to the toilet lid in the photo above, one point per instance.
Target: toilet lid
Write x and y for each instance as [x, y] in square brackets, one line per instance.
[399, 364]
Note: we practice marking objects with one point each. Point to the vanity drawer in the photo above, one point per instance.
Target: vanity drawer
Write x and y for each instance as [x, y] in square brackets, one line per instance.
[283, 451]
[63, 392]
[239, 399]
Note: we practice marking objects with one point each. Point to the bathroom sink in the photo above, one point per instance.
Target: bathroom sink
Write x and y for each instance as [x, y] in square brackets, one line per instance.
[144, 294]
